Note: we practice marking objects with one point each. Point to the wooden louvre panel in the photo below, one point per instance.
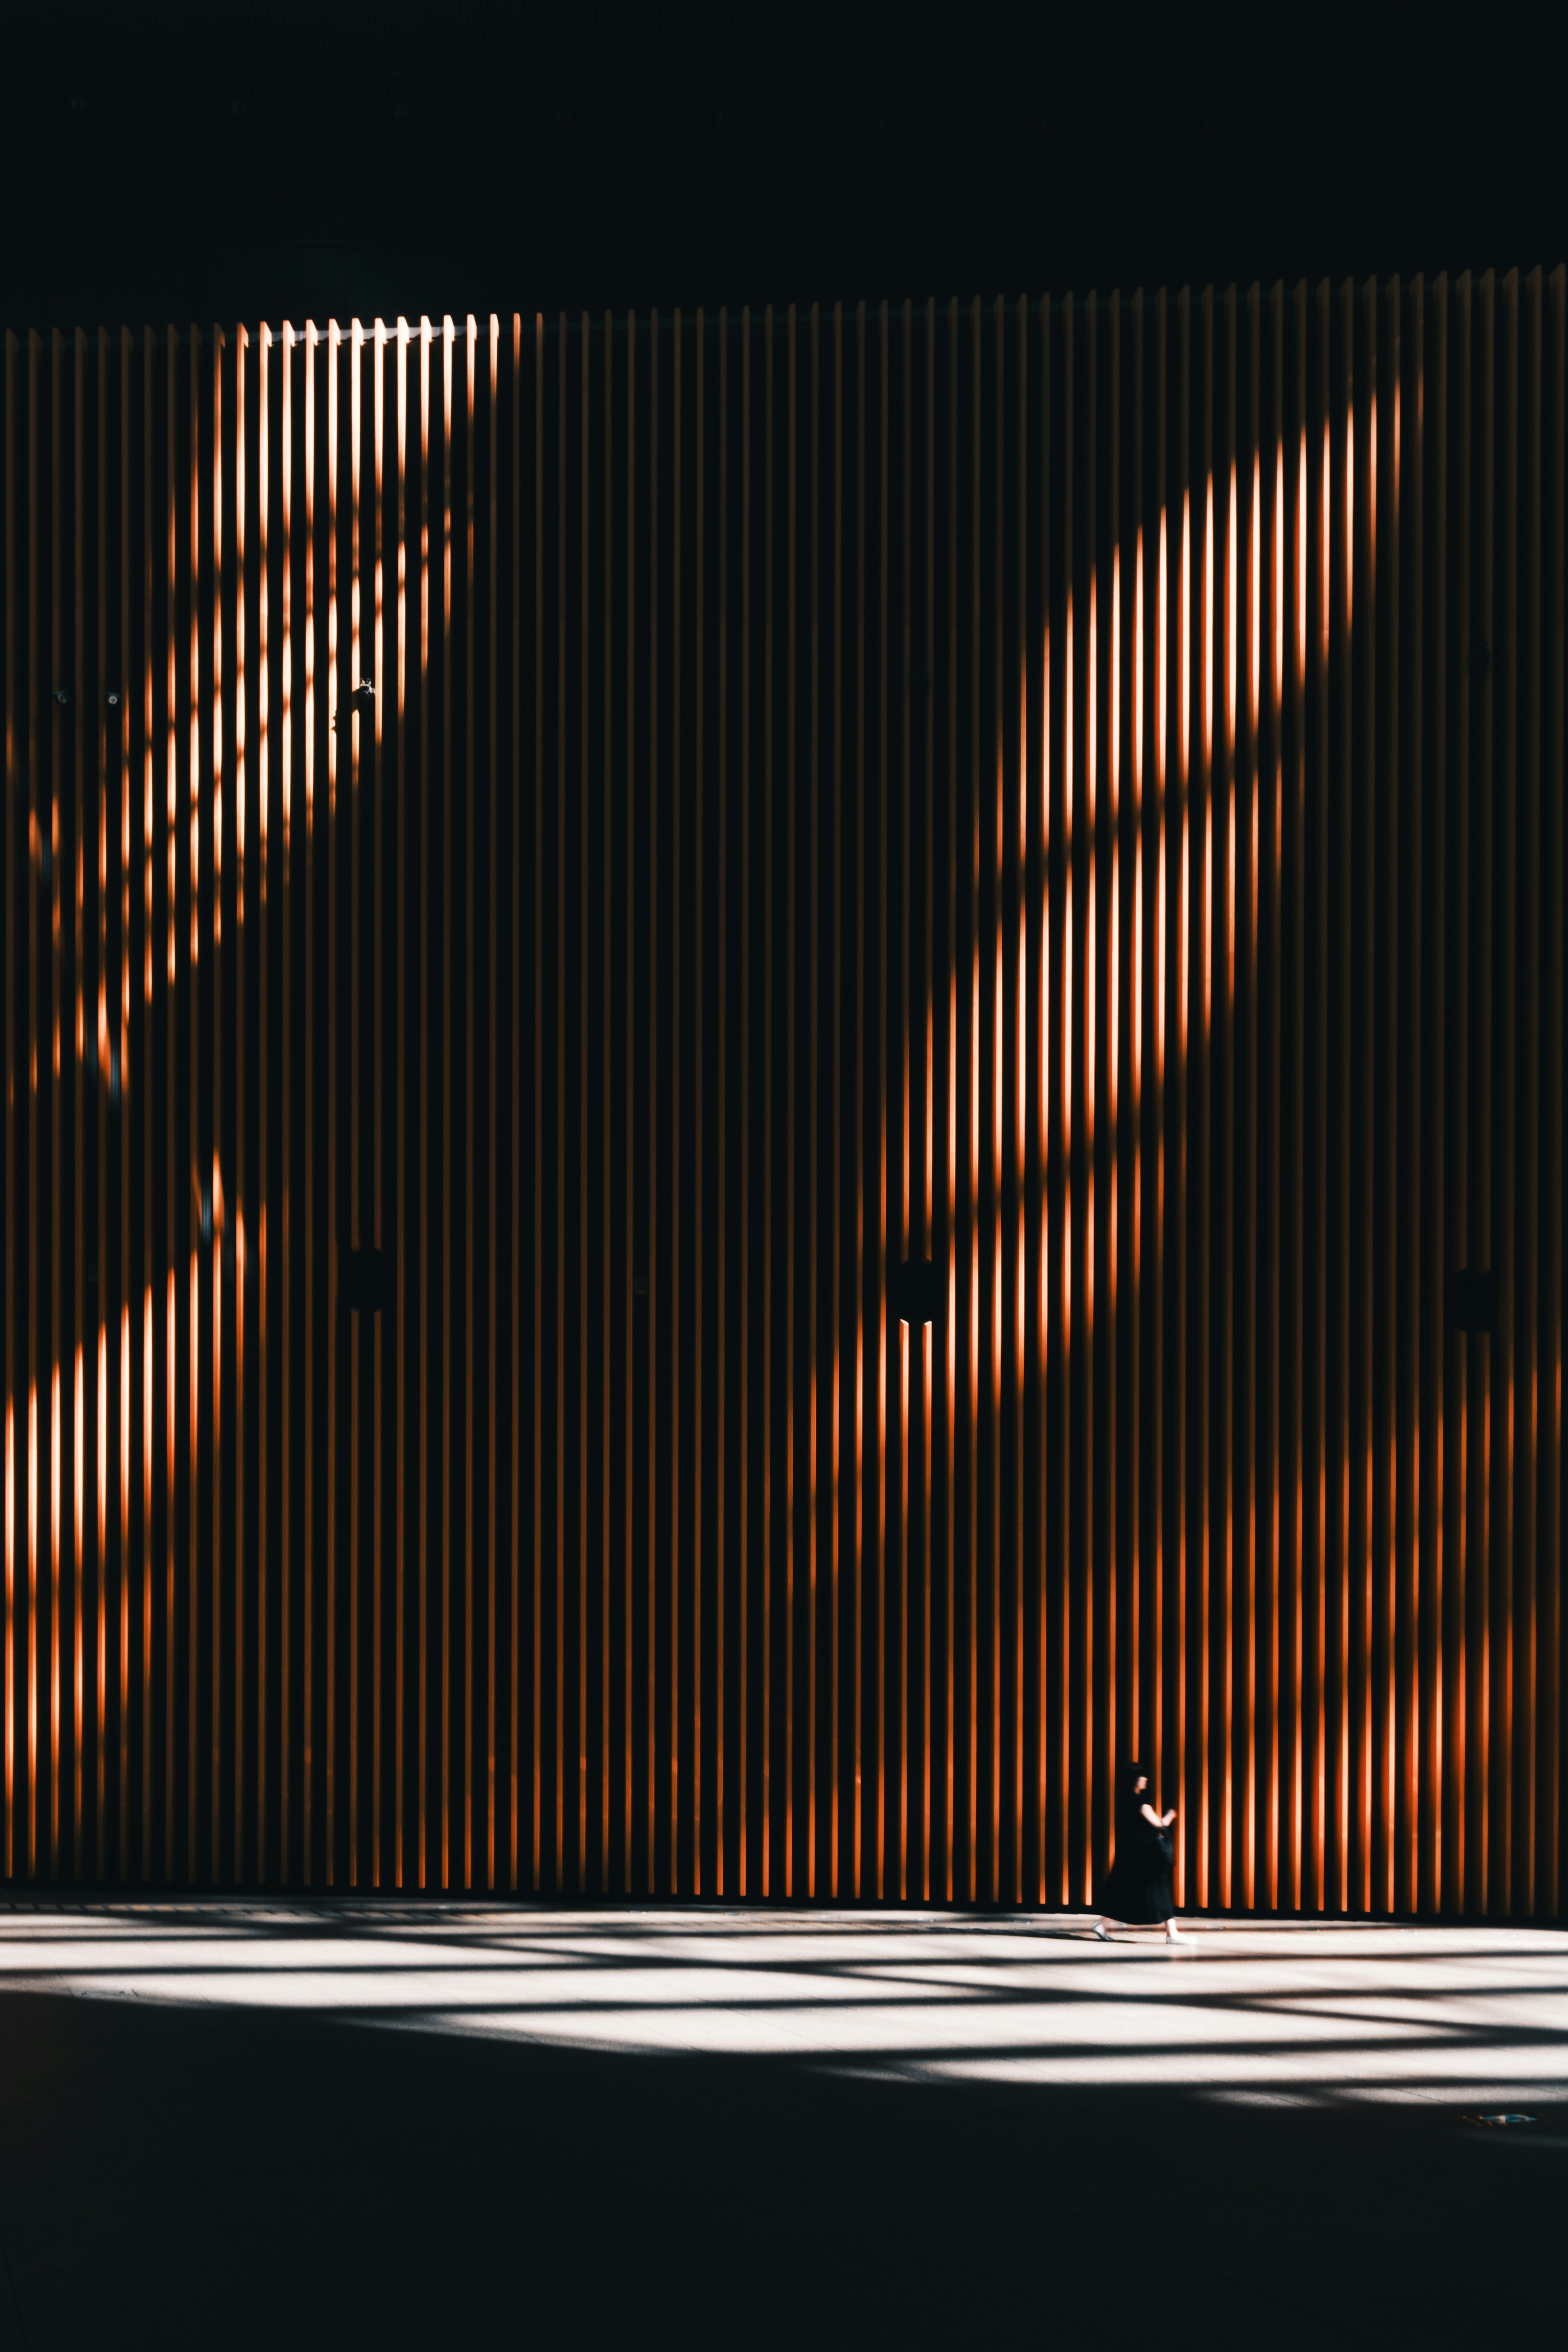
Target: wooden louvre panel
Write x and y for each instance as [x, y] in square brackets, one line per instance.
[554, 866]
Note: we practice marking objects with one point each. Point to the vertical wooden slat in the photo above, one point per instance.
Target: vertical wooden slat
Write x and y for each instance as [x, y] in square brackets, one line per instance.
[211, 1141]
[1413, 1518]
[237, 938]
[632, 1254]
[1123, 1620]
[651, 1229]
[1151, 721]
[59, 1230]
[351, 823]
[810, 696]
[723, 1422]
[1179, 966]
[1063, 999]
[97, 1316]
[123, 1336]
[583, 1538]
[9, 1369]
[1294, 1466]
[517, 966]
[1444, 1353]
[903, 1333]
[312, 860]
[71, 949]
[671, 1121]
[141, 1341]
[1220, 1026]
[38, 872]
[1209, 1397]
[836, 1128]
[970, 995]
[10, 850]
[425, 1155]
[515, 1597]
[1425, 758]
[1509, 1710]
[262, 906]
[699, 1155]
[538, 1106]
[449, 1054]
[765, 1334]
[1523, 443]
[470, 859]
[377, 829]
[1554, 429]
[492, 846]
[1246, 987]
[1460, 1644]
[286, 869]
[1349, 1294]
[996, 1075]
[1274, 1504]
[884, 1329]
[200, 1402]
[1365, 1285]
[927, 1248]
[744, 1257]
[1099, 1103]
[171, 877]
[789, 1433]
[1492, 1830]
[607, 1105]
[400, 1406]
[1550, 1633]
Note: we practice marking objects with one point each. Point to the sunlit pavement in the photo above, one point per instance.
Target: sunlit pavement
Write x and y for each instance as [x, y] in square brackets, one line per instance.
[347, 2121]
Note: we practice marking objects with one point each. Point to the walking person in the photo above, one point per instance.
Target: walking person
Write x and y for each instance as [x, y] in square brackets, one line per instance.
[1137, 1893]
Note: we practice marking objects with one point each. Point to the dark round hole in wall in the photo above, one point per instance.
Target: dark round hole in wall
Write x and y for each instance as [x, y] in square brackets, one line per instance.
[366, 1285]
[914, 1292]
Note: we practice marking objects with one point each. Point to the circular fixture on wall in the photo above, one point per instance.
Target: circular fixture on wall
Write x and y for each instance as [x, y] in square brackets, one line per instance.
[914, 1291]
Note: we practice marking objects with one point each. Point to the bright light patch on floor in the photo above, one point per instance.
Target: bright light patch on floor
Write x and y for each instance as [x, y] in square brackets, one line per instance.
[1290, 2016]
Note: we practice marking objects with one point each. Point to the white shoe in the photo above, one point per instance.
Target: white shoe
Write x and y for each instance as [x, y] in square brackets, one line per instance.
[1098, 1930]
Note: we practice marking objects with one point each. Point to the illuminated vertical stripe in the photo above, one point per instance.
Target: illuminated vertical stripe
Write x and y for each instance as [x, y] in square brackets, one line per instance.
[262, 900]
[379, 829]
[404, 1298]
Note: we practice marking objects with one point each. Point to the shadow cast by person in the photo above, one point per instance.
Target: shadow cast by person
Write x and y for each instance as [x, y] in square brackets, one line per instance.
[1138, 1892]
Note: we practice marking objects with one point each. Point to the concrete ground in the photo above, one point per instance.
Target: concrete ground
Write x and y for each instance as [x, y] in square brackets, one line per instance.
[345, 2123]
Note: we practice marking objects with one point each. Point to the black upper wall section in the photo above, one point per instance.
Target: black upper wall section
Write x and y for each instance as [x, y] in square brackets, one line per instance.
[172, 162]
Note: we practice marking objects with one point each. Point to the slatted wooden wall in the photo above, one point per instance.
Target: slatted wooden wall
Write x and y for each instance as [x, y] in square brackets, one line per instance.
[1070, 791]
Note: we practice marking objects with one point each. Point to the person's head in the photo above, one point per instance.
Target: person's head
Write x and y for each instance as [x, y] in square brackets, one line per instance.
[1135, 1783]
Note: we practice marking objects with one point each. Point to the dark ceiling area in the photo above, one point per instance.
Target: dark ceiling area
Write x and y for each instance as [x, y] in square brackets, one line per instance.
[178, 159]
